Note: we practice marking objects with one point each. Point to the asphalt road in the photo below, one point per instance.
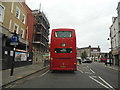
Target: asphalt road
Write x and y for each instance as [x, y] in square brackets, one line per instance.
[92, 75]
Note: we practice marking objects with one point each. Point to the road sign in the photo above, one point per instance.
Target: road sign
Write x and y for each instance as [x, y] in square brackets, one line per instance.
[15, 38]
[14, 43]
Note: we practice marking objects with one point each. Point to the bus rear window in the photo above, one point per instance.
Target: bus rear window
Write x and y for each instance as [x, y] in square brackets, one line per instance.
[63, 34]
[63, 50]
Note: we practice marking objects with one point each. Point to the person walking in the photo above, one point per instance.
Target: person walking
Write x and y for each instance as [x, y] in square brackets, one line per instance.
[110, 62]
[106, 62]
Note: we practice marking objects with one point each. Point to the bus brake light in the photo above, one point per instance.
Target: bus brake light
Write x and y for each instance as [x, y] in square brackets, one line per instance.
[75, 63]
[51, 59]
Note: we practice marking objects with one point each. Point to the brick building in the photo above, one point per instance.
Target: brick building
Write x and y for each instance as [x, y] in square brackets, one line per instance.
[29, 29]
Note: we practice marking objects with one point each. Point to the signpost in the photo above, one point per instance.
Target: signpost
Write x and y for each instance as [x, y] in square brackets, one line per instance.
[14, 41]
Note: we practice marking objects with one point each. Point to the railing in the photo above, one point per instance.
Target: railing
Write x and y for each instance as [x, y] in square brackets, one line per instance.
[41, 32]
[38, 41]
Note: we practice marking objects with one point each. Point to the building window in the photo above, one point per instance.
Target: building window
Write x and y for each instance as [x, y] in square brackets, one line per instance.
[95, 50]
[23, 19]
[2, 9]
[17, 12]
[22, 33]
[16, 28]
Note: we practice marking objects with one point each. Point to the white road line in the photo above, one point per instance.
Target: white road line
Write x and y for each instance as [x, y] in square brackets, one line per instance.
[92, 71]
[106, 82]
[44, 73]
[87, 66]
[99, 82]
[12, 86]
[88, 72]
[94, 76]
[80, 70]
[8, 86]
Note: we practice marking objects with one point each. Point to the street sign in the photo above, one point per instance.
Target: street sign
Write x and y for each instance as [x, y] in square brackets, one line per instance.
[14, 43]
[15, 38]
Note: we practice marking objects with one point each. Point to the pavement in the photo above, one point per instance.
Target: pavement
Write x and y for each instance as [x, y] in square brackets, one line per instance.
[20, 72]
[113, 67]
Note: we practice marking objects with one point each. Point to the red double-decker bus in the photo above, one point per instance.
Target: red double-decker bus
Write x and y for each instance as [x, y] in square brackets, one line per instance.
[63, 50]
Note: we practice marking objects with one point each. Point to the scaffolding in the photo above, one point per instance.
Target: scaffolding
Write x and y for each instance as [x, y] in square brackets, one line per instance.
[40, 38]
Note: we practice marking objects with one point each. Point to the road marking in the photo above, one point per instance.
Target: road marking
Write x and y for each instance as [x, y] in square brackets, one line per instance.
[98, 82]
[94, 76]
[106, 83]
[44, 73]
[8, 86]
[19, 77]
[88, 72]
[92, 71]
[80, 70]
[12, 86]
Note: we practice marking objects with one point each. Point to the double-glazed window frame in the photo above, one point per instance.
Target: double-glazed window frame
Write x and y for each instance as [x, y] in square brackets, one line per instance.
[23, 19]
[22, 32]
[17, 30]
[17, 13]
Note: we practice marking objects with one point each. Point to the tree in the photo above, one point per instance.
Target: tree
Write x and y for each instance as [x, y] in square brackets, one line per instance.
[84, 55]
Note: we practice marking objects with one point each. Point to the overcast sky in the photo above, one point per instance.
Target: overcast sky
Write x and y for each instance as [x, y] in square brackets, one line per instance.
[90, 18]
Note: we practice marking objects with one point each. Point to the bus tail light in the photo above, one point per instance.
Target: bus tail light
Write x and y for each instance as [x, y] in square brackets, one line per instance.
[51, 59]
[75, 63]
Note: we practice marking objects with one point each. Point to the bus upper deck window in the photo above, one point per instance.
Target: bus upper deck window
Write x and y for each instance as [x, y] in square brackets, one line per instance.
[63, 34]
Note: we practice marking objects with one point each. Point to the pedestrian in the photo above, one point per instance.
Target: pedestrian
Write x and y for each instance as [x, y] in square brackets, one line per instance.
[110, 62]
[45, 61]
[106, 62]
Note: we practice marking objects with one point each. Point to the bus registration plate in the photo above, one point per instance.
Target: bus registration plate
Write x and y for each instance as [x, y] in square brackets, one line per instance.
[63, 66]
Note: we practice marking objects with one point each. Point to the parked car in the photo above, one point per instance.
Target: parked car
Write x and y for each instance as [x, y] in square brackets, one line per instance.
[87, 61]
[103, 60]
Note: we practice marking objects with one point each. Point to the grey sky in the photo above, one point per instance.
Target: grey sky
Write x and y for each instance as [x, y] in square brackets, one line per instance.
[90, 18]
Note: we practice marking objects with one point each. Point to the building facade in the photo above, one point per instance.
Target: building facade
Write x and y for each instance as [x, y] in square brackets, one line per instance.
[40, 36]
[115, 37]
[13, 18]
[118, 12]
[29, 29]
[92, 52]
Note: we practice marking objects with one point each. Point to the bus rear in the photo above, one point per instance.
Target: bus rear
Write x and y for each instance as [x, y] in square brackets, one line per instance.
[63, 50]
